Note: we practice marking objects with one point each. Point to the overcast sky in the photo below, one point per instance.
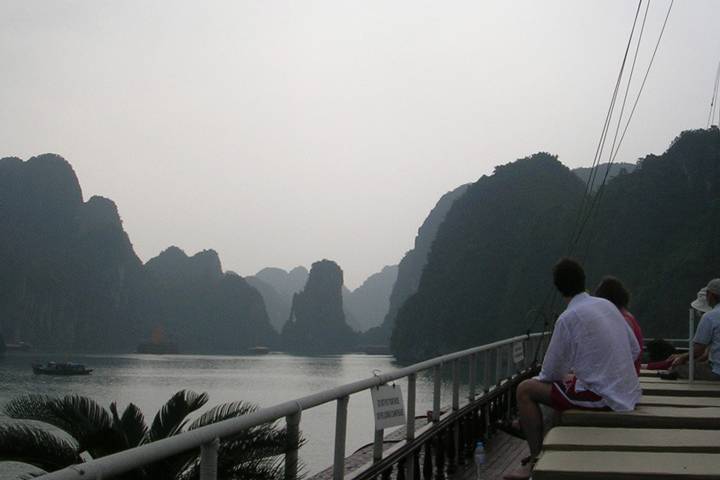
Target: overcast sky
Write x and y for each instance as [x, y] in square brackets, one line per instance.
[283, 132]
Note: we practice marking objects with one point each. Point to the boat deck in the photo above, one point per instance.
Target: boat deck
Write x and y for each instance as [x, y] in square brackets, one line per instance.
[674, 433]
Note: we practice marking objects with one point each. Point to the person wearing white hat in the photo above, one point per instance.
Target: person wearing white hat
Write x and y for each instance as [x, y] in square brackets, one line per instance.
[707, 335]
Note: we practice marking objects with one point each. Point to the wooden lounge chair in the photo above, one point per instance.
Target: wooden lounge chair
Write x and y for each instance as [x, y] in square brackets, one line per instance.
[678, 389]
[612, 465]
[703, 418]
[670, 401]
[632, 440]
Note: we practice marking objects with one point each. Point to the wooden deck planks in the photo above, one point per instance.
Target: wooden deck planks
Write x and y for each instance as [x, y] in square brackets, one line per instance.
[674, 388]
[670, 401]
[558, 465]
[633, 439]
[647, 417]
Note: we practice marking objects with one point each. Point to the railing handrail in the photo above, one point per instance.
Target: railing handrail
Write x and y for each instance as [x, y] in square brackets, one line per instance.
[136, 457]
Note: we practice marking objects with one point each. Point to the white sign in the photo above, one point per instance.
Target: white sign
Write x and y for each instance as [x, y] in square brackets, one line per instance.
[387, 406]
[518, 352]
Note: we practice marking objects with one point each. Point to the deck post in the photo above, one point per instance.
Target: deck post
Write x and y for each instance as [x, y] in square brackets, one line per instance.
[691, 349]
[292, 423]
[340, 434]
[498, 365]
[209, 460]
[486, 370]
[378, 445]
[472, 366]
[456, 385]
[410, 426]
[437, 383]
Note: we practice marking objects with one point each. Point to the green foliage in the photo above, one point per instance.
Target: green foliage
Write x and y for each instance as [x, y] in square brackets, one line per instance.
[254, 453]
[490, 264]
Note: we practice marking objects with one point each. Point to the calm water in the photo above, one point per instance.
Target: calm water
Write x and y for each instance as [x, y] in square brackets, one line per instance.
[148, 381]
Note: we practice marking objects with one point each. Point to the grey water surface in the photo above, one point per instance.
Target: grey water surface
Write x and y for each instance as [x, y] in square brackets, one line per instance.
[149, 380]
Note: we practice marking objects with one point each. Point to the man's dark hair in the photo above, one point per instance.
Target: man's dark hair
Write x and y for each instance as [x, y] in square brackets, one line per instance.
[612, 289]
[569, 277]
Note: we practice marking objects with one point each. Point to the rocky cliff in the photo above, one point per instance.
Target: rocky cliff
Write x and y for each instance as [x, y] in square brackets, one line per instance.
[317, 320]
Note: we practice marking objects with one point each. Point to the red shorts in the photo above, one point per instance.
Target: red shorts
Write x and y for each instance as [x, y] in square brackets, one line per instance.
[564, 397]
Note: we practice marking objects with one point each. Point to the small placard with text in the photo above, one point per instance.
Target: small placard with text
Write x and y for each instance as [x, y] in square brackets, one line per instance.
[518, 353]
[387, 406]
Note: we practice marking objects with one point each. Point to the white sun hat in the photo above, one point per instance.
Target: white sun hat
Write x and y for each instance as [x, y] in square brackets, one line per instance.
[700, 303]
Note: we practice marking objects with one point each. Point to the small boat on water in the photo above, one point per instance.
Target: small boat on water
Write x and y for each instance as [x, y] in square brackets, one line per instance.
[259, 350]
[62, 368]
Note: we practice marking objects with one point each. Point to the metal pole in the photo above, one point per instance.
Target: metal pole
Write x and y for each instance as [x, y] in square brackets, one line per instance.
[691, 347]
[437, 380]
[486, 370]
[340, 433]
[472, 366]
[456, 385]
[378, 445]
[293, 442]
[209, 460]
[410, 426]
[410, 429]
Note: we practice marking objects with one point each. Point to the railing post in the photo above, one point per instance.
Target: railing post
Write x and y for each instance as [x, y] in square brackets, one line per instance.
[340, 434]
[691, 349]
[437, 383]
[209, 460]
[410, 427]
[378, 445]
[486, 370]
[292, 423]
[456, 385]
[472, 366]
[498, 365]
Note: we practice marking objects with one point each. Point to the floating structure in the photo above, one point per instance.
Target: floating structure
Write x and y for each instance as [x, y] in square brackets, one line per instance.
[61, 368]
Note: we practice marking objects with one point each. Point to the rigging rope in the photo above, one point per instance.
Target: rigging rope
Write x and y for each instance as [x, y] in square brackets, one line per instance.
[613, 155]
[714, 99]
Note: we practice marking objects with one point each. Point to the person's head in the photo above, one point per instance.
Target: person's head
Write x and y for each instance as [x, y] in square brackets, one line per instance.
[612, 289]
[569, 277]
[713, 292]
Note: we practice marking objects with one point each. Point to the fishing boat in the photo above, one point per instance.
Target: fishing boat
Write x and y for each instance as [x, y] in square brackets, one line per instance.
[62, 368]
[259, 350]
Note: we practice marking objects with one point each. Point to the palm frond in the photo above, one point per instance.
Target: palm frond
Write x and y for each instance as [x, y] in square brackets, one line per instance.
[173, 415]
[32, 444]
[133, 425]
[222, 412]
[87, 421]
[34, 407]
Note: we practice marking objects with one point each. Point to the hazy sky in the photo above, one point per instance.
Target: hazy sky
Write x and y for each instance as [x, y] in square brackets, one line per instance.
[283, 132]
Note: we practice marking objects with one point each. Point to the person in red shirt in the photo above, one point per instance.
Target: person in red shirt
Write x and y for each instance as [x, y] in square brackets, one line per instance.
[612, 289]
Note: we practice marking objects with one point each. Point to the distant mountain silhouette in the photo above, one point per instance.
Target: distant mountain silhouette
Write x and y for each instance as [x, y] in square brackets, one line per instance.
[490, 264]
[277, 288]
[615, 169]
[201, 308]
[411, 266]
[367, 305]
[69, 274]
[71, 281]
[317, 320]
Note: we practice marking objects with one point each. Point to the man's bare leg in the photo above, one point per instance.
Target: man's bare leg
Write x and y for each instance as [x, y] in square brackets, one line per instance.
[530, 394]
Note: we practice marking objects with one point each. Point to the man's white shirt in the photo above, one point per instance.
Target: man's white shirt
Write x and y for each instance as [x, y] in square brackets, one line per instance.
[592, 339]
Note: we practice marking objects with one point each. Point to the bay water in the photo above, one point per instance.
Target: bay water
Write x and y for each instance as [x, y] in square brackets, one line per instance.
[150, 380]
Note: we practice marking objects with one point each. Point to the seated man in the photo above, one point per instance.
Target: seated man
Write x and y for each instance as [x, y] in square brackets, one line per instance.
[592, 338]
[707, 336]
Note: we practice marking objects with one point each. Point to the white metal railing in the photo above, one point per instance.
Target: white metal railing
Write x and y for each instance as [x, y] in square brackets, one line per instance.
[206, 438]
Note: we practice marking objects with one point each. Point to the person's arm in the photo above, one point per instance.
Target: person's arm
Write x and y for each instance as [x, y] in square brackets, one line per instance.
[557, 358]
[702, 339]
[698, 350]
